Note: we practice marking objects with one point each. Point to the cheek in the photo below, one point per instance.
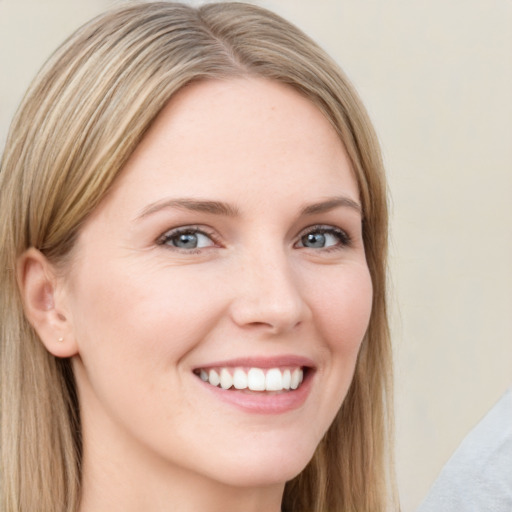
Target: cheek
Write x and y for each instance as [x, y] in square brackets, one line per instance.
[344, 308]
[126, 313]
[133, 330]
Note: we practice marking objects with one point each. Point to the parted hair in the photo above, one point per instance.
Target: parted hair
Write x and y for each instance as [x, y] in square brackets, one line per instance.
[81, 119]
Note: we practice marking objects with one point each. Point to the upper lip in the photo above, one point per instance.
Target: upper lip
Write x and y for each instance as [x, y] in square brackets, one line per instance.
[261, 362]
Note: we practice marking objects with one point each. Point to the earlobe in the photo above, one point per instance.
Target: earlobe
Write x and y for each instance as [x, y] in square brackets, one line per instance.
[44, 306]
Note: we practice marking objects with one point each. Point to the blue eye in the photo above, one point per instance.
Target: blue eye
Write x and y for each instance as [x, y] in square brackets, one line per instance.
[186, 239]
[324, 237]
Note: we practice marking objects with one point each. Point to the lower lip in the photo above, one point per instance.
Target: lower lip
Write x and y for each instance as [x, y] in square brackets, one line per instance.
[263, 402]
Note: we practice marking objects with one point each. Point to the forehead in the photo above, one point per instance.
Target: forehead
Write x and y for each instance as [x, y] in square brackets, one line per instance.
[223, 139]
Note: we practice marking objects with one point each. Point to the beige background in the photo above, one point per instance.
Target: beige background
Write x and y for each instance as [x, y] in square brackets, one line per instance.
[436, 77]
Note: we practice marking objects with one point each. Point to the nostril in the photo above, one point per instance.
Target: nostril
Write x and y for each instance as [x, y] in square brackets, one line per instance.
[268, 294]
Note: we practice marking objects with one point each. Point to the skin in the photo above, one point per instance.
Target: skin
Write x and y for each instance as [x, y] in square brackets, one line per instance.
[139, 314]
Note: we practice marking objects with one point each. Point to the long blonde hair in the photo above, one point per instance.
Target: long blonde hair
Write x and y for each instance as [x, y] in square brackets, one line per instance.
[81, 119]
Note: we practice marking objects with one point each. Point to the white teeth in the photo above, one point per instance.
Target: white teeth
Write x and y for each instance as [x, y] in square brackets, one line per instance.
[287, 379]
[274, 380]
[255, 379]
[214, 378]
[295, 380]
[240, 379]
[226, 380]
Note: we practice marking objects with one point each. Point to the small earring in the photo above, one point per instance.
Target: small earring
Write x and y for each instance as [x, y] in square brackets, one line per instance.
[61, 340]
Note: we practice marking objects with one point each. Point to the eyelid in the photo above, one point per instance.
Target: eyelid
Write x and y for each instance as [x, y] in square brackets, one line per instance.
[343, 235]
[203, 230]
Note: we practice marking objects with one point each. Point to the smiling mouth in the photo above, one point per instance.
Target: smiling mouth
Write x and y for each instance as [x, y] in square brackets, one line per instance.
[253, 379]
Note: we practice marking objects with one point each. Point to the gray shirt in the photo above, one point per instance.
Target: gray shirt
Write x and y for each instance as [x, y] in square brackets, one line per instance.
[478, 477]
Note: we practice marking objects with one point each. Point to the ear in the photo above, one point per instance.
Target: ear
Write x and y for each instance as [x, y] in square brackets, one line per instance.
[44, 303]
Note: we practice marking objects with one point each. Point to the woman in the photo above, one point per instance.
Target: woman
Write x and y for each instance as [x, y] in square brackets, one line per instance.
[193, 307]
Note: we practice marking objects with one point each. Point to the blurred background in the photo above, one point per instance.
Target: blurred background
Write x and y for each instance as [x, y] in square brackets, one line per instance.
[436, 77]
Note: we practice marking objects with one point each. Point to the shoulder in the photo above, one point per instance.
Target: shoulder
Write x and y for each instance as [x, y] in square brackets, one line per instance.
[478, 477]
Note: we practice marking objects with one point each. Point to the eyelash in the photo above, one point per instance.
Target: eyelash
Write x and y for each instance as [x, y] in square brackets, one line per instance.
[186, 230]
[342, 236]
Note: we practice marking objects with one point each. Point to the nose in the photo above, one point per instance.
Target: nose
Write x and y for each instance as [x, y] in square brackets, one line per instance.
[268, 294]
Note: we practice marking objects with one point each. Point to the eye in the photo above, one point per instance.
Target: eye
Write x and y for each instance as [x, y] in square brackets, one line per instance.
[324, 237]
[186, 238]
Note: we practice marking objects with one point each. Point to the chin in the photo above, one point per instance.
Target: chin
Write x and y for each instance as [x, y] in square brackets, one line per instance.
[265, 469]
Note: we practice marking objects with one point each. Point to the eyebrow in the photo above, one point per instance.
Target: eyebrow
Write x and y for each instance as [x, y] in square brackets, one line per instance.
[195, 205]
[229, 210]
[330, 204]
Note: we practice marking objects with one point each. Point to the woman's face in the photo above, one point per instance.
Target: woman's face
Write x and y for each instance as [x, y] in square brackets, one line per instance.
[229, 249]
